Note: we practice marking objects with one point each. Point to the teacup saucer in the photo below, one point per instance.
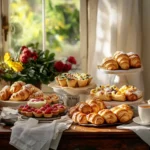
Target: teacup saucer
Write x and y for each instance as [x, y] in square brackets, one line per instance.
[138, 121]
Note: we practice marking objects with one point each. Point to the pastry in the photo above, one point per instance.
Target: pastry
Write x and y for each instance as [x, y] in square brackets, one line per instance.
[135, 61]
[48, 113]
[121, 113]
[108, 116]
[21, 95]
[80, 118]
[94, 118]
[110, 64]
[5, 93]
[38, 94]
[118, 96]
[103, 95]
[72, 110]
[51, 98]
[16, 86]
[62, 81]
[38, 113]
[84, 108]
[133, 95]
[122, 59]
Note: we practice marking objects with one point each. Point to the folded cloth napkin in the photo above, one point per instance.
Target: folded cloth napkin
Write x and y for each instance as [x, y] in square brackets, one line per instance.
[31, 135]
[142, 131]
[9, 113]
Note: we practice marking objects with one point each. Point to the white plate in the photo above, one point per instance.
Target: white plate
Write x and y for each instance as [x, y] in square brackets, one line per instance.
[114, 103]
[11, 103]
[138, 121]
[121, 71]
[71, 90]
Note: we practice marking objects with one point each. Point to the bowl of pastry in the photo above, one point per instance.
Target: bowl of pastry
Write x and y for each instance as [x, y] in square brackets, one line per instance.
[121, 61]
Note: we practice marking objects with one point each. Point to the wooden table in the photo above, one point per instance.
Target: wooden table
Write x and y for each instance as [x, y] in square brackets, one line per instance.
[88, 138]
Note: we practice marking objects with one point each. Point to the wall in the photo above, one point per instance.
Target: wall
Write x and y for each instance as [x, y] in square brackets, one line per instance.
[146, 46]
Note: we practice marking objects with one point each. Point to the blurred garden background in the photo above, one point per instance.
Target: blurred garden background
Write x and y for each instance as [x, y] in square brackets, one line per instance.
[62, 25]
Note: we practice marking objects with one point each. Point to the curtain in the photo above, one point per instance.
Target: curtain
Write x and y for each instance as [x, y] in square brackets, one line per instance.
[118, 28]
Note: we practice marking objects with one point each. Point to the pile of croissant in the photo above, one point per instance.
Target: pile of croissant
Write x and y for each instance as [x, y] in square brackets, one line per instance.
[20, 91]
[94, 111]
[124, 93]
[121, 61]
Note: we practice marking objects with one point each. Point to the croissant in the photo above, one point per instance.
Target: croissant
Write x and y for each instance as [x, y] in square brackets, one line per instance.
[84, 108]
[38, 94]
[122, 114]
[80, 118]
[95, 118]
[16, 86]
[31, 88]
[5, 93]
[72, 110]
[122, 59]
[135, 61]
[108, 116]
[96, 104]
[128, 108]
[21, 95]
[109, 63]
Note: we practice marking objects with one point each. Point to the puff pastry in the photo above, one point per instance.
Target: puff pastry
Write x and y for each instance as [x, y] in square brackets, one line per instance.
[5, 93]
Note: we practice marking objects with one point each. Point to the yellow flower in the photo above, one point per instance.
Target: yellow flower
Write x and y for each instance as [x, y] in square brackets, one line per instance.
[7, 57]
[16, 66]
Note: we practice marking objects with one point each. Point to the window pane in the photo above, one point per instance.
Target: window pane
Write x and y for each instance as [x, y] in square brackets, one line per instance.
[25, 23]
[62, 26]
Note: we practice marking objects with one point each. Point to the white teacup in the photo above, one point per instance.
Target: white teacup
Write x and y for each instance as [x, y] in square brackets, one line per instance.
[144, 112]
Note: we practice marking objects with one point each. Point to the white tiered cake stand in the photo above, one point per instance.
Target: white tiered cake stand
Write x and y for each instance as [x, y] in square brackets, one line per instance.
[119, 77]
[71, 95]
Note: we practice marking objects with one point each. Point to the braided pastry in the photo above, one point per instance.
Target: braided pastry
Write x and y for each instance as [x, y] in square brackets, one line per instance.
[95, 118]
[5, 93]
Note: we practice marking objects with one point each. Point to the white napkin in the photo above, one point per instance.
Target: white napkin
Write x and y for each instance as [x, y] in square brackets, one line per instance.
[9, 113]
[31, 135]
[142, 131]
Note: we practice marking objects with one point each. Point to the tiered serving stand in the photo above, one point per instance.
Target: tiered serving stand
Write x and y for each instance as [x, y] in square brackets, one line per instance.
[119, 79]
[71, 96]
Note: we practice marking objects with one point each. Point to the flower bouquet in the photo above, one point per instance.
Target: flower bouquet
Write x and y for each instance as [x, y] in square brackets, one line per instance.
[33, 66]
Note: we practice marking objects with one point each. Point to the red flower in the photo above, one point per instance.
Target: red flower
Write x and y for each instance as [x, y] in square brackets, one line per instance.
[67, 67]
[27, 52]
[23, 47]
[23, 58]
[59, 66]
[72, 60]
[34, 56]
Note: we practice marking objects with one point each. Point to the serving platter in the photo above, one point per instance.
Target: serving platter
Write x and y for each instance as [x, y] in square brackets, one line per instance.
[71, 90]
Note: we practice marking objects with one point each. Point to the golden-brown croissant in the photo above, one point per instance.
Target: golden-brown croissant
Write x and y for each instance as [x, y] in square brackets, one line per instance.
[16, 86]
[128, 108]
[80, 118]
[110, 64]
[96, 104]
[31, 88]
[122, 59]
[108, 116]
[84, 108]
[21, 95]
[72, 110]
[94, 118]
[5, 93]
[122, 114]
[135, 61]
